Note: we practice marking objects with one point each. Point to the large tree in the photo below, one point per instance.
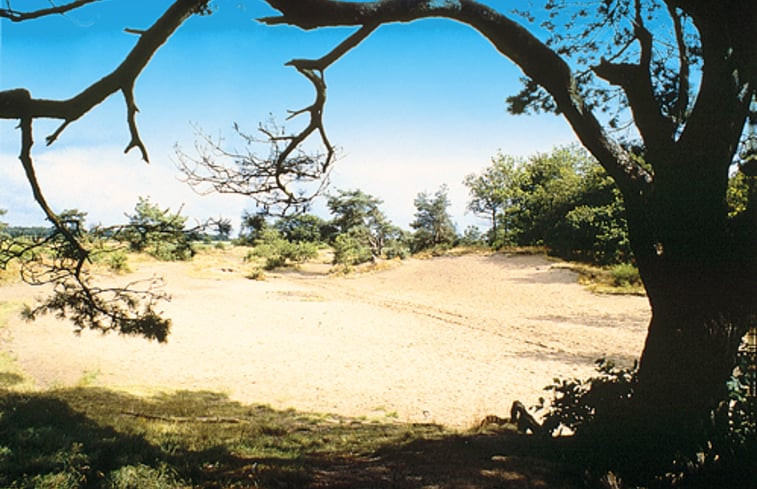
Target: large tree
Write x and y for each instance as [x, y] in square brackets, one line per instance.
[491, 194]
[684, 71]
[687, 72]
[432, 224]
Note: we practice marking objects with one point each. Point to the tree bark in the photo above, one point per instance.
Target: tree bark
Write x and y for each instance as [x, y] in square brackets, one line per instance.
[700, 274]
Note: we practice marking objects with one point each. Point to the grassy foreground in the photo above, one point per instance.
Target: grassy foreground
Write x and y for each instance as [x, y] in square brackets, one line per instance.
[88, 437]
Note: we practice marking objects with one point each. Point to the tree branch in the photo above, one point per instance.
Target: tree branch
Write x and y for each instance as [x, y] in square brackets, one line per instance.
[15, 104]
[678, 111]
[537, 60]
[16, 16]
[269, 180]
[636, 81]
[124, 309]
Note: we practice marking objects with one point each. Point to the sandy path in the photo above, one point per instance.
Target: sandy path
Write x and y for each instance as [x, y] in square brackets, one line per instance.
[447, 340]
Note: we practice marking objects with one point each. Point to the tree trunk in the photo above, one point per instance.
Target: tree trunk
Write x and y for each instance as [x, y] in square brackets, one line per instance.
[700, 274]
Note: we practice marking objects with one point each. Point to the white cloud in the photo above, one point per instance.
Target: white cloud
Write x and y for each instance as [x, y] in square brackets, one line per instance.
[105, 183]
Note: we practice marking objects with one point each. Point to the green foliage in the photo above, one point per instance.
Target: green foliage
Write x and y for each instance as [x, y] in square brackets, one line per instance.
[350, 248]
[223, 229]
[278, 252]
[472, 236]
[735, 425]
[73, 221]
[592, 407]
[158, 232]
[118, 261]
[433, 224]
[576, 403]
[3, 225]
[625, 275]
[737, 195]
[361, 232]
[302, 228]
[398, 247]
[492, 194]
[562, 200]
[252, 226]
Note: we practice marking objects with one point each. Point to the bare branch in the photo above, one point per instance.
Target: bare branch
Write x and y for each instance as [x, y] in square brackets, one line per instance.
[636, 81]
[270, 180]
[678, 112]
[16, 16]
[60, 258]
[15, 104]
[131, 111]
[536, 59]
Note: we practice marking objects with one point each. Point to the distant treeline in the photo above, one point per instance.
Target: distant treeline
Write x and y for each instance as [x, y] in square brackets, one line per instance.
[27, 231]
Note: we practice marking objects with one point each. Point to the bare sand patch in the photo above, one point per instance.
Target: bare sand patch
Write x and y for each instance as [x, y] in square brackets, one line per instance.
[446, 340]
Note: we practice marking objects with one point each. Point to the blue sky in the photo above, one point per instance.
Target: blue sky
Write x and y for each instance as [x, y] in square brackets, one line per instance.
[413, 107]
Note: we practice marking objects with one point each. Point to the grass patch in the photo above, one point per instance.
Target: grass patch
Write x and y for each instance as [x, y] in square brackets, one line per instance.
[616, 280]
[90, 437]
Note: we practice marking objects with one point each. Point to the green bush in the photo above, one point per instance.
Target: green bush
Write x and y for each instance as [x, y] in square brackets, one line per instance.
[625, 274]
[157, 232]
[118, 261]
[396, 249]
[349, 249]
[278, 252]
[576, 402]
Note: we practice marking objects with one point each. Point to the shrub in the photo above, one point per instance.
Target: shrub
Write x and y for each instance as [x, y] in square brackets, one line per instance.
[349, 249]
[576, 403]
[158, 232]
[724, 457]
[396, 249]
[118, 261]
[624, 275]
[278, 252]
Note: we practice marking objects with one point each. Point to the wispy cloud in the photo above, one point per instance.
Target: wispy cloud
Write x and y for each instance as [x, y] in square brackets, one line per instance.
[105, 183]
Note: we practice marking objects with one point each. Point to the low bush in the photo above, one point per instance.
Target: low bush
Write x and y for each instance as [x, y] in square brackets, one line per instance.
[278, 252]
[118, 261]
[625, 275]
[350, 250]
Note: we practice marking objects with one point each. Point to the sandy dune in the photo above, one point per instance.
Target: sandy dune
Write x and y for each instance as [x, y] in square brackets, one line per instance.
[446, 340]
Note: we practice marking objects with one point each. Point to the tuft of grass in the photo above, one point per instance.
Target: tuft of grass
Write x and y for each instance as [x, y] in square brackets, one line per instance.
[257, 273]
[625, 275]
[617, 280]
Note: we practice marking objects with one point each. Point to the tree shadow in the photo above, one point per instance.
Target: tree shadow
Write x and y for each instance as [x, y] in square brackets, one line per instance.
[501, 459]
[90, 437]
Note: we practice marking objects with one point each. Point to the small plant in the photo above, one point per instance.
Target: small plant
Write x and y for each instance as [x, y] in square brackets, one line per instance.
[625, 275]
[278, 252]
[158, 232]
[576, 403]
[257, 273]
[349, 250]
[118, 262]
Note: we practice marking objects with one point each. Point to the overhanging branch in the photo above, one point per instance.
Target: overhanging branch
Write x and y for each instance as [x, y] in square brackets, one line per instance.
[15, 104]
[59, 259]
[538, 61]
[16, 16]
[270, 180]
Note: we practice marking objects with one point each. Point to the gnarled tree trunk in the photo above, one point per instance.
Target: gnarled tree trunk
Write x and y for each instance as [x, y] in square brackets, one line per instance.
[700, 273]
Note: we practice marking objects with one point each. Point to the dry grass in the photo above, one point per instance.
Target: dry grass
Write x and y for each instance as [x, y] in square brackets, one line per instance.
[601, 280]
